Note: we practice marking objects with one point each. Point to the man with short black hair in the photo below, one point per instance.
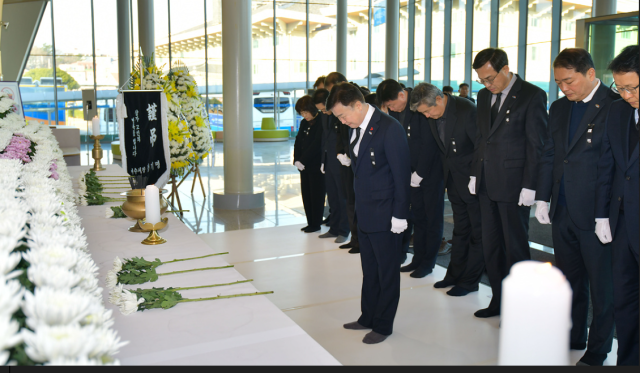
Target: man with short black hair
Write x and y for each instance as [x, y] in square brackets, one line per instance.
[452, 124]
[330, 166]
[333, 79]
[512, 121]
[463, 90]
[427, 184]
[617, 203]
[381, 164]
[447, 89]
[319, 84]
[575, 131]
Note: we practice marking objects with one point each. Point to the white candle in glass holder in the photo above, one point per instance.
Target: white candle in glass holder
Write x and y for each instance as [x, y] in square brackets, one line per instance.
[152, 204]
[95, 126]
[535, 318]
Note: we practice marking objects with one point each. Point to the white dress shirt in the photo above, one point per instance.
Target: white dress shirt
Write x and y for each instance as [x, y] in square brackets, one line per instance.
[363, 127]
[588, 98]
[505, 92]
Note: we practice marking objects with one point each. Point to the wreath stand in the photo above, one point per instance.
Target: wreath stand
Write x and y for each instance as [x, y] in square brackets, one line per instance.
[196, 175]
[174, 194]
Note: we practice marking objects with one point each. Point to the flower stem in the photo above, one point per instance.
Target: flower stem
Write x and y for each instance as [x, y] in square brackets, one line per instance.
[193, 270]
[210, 286]
[225, 296]
[122, 187]
[197, 257]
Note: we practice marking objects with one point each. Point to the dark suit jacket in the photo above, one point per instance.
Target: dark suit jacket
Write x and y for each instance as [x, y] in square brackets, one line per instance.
[509, 152]
[307, 147]
[342, 144]
[460, 126]
[329, 136]
[618, 174]
[381, 180]
[574, 160]
[410, 125]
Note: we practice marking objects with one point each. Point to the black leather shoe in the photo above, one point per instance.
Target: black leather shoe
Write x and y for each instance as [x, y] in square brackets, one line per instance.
[346, 246]
[409, 267]
[592, 359]
[303, 228]
[457, 291]
[312, 229]
[485, 312]
[354, 250]
[421, 272]
[443, 284]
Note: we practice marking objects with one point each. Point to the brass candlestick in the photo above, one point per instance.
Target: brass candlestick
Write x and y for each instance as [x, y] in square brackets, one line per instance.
[134, 207]
[97, 153]
[153, 238]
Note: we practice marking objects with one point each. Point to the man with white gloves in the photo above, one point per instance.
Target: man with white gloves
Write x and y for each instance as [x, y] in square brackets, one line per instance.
[512, 121]
[566, 178]
[617, 204]
[381, 165]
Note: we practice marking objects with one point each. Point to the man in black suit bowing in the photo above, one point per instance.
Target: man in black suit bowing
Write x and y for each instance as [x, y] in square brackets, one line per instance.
[566, 178]
[617, 203]
[512, 122]
[381, 165]
[452, 125]
[427, 185]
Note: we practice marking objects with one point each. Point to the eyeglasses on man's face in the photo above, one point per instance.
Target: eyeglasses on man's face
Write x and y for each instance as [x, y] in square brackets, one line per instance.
[488, 80]
[619, 90]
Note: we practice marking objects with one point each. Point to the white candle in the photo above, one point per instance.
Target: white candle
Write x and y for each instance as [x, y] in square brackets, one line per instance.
[152, 204]
[535, 318]
[95, 126]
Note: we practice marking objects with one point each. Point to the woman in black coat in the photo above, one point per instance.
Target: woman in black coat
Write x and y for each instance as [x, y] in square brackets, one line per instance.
[307, 158]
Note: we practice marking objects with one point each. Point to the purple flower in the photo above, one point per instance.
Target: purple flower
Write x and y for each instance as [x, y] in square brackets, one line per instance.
[18, 148]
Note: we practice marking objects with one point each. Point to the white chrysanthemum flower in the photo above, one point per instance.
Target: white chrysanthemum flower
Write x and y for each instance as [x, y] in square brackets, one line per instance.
[89, 284]
[79, 361]
[117, 264]
[129, 302]
[108, 213]
[9, 333]
[111, 280]
[107, 343]
[55, 256]
[98, 316]
[11, 293]
[86, 267]
[49, 343]
[8, 262]
[50, 307]
[115, 296]
[52, 276]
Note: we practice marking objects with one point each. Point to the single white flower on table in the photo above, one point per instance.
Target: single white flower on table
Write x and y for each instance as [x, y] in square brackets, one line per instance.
[48, 343]
[51, 307]
[108, 213]
[117, 264]
[129, 302]
[112, 279]
[115, 296]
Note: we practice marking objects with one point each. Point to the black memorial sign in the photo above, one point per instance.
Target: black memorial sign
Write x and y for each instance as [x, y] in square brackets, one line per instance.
[143, 135]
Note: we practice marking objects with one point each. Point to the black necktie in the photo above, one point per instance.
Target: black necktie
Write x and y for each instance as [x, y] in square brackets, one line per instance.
[353, 144]
[495, 108]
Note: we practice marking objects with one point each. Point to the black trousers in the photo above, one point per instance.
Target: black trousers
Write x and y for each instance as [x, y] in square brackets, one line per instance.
[427, 208]
[313, 191]
[586, 263]
[379, 253]
[339, 222]
[625, 293]
[467, 259]
[505, 239]
[346, 174]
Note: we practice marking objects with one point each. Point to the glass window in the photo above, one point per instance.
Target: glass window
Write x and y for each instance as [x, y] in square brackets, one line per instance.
[214, 63]
[322, 38]
[458, 42]
[378, 37]
[358, 41]
[572, 11]
[420, 21]
[508, 30]
[481, 35]
[539, 43]
[437, 43]
[625, 6]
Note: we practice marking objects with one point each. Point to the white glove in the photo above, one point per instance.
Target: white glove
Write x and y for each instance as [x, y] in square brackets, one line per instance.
[542, 212]
[527, 197]
[346, 161]
[299, 165]
[603, 230]
[321, 168]
[415, 180]
[472, 185]
[398, 225]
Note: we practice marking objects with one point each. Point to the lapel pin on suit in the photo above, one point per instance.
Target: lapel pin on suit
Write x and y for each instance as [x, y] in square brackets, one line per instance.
[598, 106]
[371, 131]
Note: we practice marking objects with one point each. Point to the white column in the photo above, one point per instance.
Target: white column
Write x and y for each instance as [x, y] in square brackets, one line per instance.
[341, 37]
[391, 42]
[237, 95]
[124, 40]
[145, 27]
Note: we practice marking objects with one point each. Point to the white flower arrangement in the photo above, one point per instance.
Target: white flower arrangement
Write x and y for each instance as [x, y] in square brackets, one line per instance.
[45, 268]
